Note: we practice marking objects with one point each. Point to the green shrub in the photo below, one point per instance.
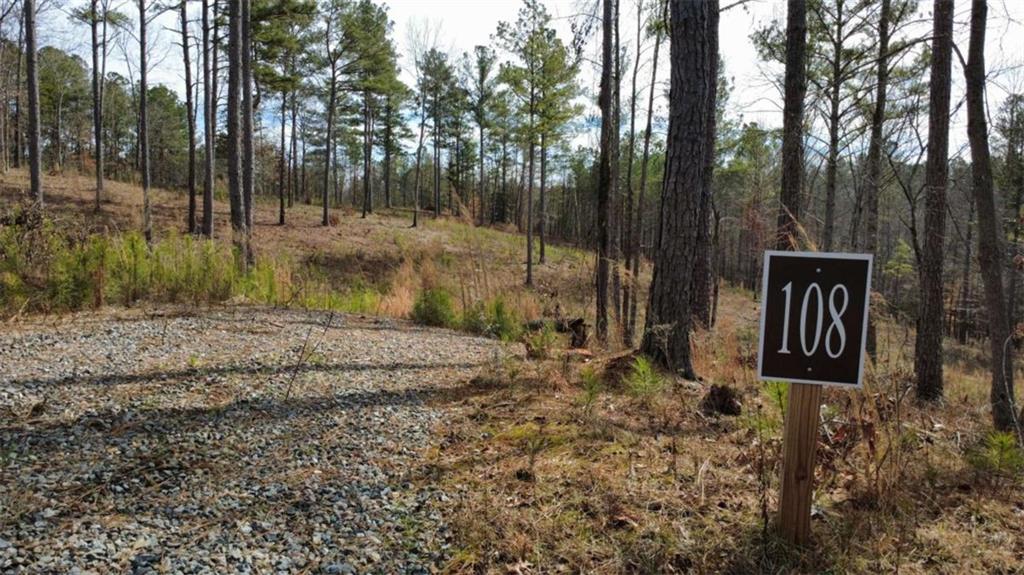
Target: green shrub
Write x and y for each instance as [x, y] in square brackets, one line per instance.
[999, 456]
[502, 322]
[539, 343]
[643, 379]
[492, 319]
[591, 382]
[433, 307]
[474, 319]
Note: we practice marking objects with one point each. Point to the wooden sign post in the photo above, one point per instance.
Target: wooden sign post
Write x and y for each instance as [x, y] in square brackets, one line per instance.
[814, 320]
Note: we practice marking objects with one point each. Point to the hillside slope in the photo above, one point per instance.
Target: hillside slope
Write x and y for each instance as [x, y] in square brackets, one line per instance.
[381, 254]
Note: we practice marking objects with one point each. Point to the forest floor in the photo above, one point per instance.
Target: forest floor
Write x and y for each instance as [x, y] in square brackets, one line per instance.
[184, 437]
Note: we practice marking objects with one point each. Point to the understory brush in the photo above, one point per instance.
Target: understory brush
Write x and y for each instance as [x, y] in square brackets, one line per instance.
[53, 266]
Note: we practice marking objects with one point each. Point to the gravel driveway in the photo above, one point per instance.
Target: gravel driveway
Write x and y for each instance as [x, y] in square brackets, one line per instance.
[138, 442]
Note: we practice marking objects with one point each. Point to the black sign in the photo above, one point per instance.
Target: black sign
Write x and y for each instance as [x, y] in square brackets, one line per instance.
[814, 311]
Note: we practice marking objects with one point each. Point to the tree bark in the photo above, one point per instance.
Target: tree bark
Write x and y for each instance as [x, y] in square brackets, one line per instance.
[616, 190]
[482, 179]
[792, 135]
[990, 250]
[331, 100]
[636, 249]
[628, 289]
[367, 153]
[700, 300]
[235, 195]
[147, 222]
[832, 168]
[543, 208]
[97, 101]
[294, 189]
[248, 150]
[693, 89]
[31, 67]
[389, 120]
[209, 125]
[874, 177]
[529, 203]
[419, 158]
[282, 170]
[604, 177]
[928, 344]
[190, 111]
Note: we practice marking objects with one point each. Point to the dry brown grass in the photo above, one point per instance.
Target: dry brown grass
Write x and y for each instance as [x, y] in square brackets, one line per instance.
[550, 481]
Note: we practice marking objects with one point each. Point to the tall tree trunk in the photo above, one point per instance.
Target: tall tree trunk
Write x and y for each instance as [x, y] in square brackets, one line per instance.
[235, 194]
[604, 174]
[209, 125]
[832, 167]
[282, 170]
[1016, 183]
[963, 317]
[190, 111]
[700, 299]
[990, 250]
[389, 120]
[31, 59]
[928, 344]
[616, 191]
[693, 89]
[636, 251]
[331, 101]
[419, 158]
[18, 137]
[482, 179]
[248, 150]
[97, 102]
[367, 152]
[792, 134]
[437, 158]
[529, 201]
[628, 291]
[147, 222]
[294, 188]
[874, 178]
[543, 211]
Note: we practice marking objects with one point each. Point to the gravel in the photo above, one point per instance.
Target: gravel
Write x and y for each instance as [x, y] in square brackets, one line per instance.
[166, 443]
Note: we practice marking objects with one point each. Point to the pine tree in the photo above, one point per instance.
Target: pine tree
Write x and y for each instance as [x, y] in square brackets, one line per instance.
[147, 222]
[990, 249]
[928, 344]
[694, 79]
[31, 59]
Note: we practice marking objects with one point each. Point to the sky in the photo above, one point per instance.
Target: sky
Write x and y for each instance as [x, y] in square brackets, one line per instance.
[463, 24]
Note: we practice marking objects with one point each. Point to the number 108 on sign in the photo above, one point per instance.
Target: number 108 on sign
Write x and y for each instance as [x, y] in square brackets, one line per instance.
[814, 310]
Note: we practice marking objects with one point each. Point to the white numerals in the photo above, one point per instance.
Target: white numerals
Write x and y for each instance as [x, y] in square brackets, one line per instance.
[836, 329]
